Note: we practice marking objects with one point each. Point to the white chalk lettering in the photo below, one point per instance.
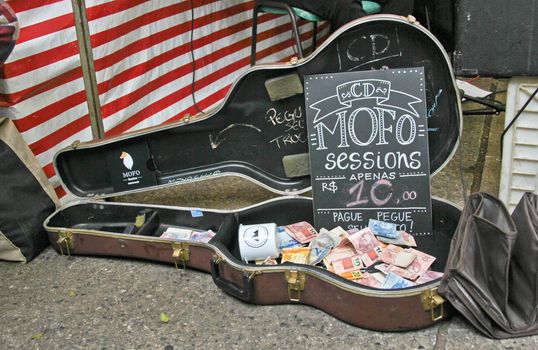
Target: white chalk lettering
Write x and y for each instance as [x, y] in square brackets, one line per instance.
[370, 160]
[131, 174]
[347, 216]
[372, 122]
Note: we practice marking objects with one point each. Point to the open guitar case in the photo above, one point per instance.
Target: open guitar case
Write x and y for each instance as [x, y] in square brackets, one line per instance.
[259, 132]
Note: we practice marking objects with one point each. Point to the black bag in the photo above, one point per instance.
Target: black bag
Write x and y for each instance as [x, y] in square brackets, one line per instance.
[26, 198]
[491, 276]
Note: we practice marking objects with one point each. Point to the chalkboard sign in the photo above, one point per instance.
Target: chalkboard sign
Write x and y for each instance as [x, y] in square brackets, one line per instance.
[368, 143]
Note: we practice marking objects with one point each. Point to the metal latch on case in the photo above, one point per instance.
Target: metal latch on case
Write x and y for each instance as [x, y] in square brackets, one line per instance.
[180, 253]
[433, 302]
[296, 282]
[65, 240]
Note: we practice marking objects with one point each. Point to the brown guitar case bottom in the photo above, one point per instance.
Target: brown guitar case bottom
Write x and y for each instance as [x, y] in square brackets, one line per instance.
[377, 309]
[373, 310]
[107, 229]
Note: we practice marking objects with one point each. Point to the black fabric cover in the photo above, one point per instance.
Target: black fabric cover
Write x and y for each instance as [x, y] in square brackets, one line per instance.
[438, 17]
[491, 275]
[496, 38]
[24, 203]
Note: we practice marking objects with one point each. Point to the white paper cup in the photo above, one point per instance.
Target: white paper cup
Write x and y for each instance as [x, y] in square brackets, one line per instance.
[257, 242]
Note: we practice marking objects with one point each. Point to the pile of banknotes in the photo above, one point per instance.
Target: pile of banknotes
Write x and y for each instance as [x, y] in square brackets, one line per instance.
[182, 234]
[377, 256]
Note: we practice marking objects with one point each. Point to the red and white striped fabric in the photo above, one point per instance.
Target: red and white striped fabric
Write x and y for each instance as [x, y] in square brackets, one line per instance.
[142, 55]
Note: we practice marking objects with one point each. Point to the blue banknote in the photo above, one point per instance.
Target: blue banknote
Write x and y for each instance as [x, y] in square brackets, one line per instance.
[285, 240]
[383, 229]
[393, 281]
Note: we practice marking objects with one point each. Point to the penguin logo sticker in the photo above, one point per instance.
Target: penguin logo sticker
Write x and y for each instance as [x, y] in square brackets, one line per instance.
[131, 177]
[127, 160]
[255, 237]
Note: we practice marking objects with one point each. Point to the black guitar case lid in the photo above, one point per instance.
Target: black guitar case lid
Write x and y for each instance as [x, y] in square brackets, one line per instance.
[259, 130]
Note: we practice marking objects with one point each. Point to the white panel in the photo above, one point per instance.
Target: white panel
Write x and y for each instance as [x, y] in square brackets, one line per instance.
[519, 171]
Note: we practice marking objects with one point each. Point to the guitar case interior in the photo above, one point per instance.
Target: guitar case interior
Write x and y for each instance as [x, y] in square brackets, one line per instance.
[259, 132]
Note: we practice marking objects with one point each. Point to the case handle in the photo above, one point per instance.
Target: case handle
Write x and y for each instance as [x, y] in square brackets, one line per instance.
[245, 293]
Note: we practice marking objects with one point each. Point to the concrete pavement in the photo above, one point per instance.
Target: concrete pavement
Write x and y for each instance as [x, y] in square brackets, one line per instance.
[101, 303]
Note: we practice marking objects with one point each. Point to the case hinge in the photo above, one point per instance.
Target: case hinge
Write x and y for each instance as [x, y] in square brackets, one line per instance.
[75, 144]
[296, 282]
[65, 240]
[412, 19]
[433, 302]
[180, 253]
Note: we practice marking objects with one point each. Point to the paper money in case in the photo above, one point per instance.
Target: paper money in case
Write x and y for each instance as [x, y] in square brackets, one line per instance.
[340, 233]
[395, 255]
[177, 234]
[339, 253]
[363, 241]
[393, 281]
[429, 276]
[352, 275]
[302, 231]
[295, 255]
[368, 279]
[204, 236]
[404, 273]
[421, 264]
[383, 229]
[372, 256]
[322, 244]
[285, 240]
[352, 231]
[405, 239]
[347, 265]
[267, 261]
[404, 259]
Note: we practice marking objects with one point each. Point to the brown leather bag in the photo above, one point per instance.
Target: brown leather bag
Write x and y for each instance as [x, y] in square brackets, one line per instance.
[491, 276]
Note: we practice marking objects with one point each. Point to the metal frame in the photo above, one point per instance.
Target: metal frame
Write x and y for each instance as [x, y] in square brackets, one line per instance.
[88, 68]
[258, 4]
